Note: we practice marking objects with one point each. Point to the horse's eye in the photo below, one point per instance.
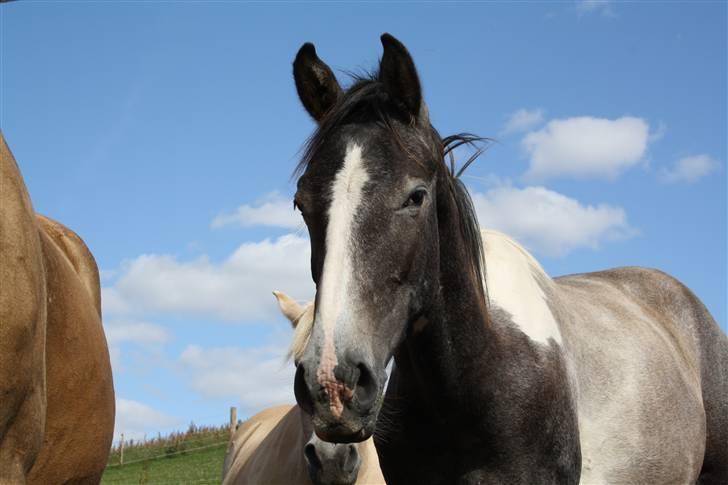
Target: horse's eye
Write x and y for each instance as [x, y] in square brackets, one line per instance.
[416, 198]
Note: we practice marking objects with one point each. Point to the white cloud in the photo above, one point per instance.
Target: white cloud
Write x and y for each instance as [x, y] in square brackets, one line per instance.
[107, 274]
[522, 120]
[136, 419]
[589, 6]
[586, 147]
[258, 377]
[142, 333]
[238, 288]
[112, 302]
[119, 332]
[548, 222]
[272, 210]
[689, 169]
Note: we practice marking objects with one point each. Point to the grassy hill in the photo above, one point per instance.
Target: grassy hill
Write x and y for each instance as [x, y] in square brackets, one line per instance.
[193, 457]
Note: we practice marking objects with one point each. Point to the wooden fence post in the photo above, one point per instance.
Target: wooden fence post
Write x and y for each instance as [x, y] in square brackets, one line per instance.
[121, 450]
[233, 420]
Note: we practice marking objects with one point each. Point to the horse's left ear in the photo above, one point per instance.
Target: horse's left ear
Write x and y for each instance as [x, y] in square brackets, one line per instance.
[316, 84]
[398, 74]
[290, 308]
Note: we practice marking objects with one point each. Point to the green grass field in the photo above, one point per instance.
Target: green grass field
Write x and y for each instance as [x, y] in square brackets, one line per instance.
[193, 457]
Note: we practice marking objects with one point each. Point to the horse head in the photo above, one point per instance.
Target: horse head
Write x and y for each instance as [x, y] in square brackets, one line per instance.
[376, 197]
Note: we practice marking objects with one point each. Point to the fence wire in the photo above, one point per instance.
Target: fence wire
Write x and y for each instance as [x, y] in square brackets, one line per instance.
[167, 455]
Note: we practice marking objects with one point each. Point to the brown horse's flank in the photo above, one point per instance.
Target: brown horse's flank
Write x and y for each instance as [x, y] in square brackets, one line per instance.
[68, 437]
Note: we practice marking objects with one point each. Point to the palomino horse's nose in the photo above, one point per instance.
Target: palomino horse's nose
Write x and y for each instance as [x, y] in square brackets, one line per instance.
[331, 463]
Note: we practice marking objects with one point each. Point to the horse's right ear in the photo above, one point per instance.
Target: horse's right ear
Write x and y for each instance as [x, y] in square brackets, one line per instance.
[317, 86]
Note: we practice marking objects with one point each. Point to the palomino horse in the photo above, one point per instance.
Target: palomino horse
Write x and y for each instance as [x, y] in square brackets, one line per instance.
[56, 390]
[619, 376]
[278, 446]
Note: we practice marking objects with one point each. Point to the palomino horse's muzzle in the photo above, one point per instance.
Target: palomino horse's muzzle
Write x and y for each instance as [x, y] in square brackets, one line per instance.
[331, 463]
[342, 402]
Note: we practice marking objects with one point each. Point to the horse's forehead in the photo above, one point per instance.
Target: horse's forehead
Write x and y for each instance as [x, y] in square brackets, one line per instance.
[387, 158]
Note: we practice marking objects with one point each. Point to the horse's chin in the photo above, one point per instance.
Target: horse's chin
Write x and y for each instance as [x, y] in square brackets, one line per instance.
[344, 432]
[328, 477]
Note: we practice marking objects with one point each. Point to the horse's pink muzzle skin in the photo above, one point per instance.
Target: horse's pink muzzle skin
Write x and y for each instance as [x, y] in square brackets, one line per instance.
[341, 399]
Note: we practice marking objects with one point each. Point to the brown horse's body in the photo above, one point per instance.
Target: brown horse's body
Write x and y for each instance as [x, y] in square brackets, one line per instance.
[56, 389]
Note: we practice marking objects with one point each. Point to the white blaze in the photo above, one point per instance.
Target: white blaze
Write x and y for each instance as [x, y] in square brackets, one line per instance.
[346, 195]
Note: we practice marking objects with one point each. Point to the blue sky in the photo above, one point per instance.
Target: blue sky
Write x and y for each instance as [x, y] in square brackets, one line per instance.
[165, 134]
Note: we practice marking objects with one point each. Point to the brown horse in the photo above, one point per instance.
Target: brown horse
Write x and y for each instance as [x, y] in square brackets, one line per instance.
[278, 446]
[56, 391]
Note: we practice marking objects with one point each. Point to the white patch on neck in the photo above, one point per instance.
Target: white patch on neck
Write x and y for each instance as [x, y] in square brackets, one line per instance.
[346, 195]
[511, 279]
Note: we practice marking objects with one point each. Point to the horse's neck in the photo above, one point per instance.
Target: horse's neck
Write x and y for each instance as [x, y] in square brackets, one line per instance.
[453, 344]
[269, 448]
[492, 390]
[462, 351]
[453, 341]
[369, 470]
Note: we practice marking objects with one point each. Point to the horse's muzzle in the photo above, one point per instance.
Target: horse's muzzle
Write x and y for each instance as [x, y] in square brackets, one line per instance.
[343, 407]
[330, 463]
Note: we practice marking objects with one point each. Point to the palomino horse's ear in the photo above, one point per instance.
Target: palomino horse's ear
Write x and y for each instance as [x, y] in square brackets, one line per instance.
[290, 308]
[317, 86]
[398, 74]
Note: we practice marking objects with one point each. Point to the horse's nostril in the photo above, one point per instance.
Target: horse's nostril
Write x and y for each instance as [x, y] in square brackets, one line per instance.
[352, 458]
[301, 390]
[366, 388]
[347, 375]
[312, 458]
